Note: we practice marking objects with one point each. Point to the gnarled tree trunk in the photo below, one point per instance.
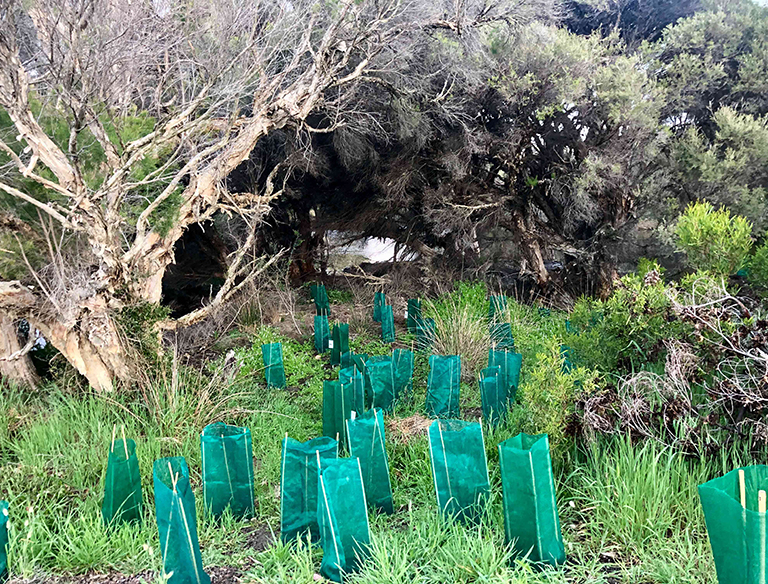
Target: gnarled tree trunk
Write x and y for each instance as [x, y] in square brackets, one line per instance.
[15, 364]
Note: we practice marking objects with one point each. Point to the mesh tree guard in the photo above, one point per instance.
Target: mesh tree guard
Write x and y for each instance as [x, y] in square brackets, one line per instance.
[343, 518]
[496, 307]
[413, 314]
[122, 484]
[443, 386]
[510, 364]
[274, 371]
[340, 354]
[227, 469]
[402, 359]
[177, 522]
[501, 336]
[359, 361]
[459, 468]
[387, 324]
[350, 375]
[320, 296]
[531, 522]
[3, 540]
[367, 443]
[381, 374]
[736, 525]
[379, 300]
[298, 486]
[322, 335]
[493, 395]
[337, 408]
[425, 333]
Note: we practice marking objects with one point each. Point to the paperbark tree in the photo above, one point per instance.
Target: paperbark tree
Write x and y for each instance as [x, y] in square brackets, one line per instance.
[206, 82]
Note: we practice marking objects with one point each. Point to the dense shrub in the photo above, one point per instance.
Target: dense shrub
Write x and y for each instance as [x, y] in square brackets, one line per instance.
[712, 239]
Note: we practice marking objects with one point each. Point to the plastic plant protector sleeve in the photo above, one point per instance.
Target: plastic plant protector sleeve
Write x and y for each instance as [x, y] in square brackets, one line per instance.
[736, 527]
[388, 324]
[322, 304]
[425, 333]
[414, 314]
[337, 408]
[379, 300]
[510, 364]
[382, 378]
[177, 522]
[343, 518]
[350, 375]
[459, 468]
[227, 456]
[322, 335]
[367, 442]
[122, 484]
[501, 336]
[274, 370]
[298, 486]
[531, 520]
[496, 305]
[340, 354]
[493, 395]
[443, 386]
[403, 360]
[3, 540]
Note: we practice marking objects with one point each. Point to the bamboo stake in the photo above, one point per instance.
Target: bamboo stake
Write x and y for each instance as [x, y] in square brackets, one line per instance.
[125, 442]
[742, 489]
[173, 478]
[114, 430]
[761, 509]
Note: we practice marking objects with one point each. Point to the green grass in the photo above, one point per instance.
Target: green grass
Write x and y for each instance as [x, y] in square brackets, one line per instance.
[630, 513]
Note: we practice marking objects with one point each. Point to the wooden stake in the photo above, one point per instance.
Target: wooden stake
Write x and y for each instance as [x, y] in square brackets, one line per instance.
[125, 442]
[114, 430]
[761, 509]
[742, 489]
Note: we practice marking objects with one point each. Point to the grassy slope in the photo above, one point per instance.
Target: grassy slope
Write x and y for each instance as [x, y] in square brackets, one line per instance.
[629, 514]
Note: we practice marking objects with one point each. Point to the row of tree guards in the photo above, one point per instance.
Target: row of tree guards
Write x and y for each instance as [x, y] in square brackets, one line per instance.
[325, 498]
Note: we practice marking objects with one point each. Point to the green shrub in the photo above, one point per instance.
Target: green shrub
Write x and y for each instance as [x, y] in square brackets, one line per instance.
[758, 269]
[626, 331]
[712, 239]
[547, 397]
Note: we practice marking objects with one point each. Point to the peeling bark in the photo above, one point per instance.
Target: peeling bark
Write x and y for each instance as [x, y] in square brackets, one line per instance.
[15, 364]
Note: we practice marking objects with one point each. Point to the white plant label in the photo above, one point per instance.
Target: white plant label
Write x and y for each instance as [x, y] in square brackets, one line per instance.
[330, 344]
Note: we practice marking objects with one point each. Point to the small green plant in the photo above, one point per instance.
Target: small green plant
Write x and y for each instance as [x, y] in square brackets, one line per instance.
[714, 240]
[340, 296]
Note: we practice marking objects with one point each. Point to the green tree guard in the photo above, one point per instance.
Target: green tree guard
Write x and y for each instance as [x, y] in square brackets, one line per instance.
[531, 522]
[122, 484]
[227, 456]
[322, 304]
[322, 334]
[443, 386]
[496, 307]
[177, 522]
[3, 541]
[413, 314]
[501, 336]
[343, 517]
[367, 442]
[567, 354]
[459, 468]
[359, 360]
[298, 486]
[350, 375]
[340, 354]
[403, 363]
[425, 333]
[493, 395]
[387, 324]
[337, 408]
[274, 371]
[511, 364]
[381, 374]
[379, 300]
[736, 526]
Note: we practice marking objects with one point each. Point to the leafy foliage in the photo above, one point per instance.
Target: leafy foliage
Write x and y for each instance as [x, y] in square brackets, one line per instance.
[714, 240]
